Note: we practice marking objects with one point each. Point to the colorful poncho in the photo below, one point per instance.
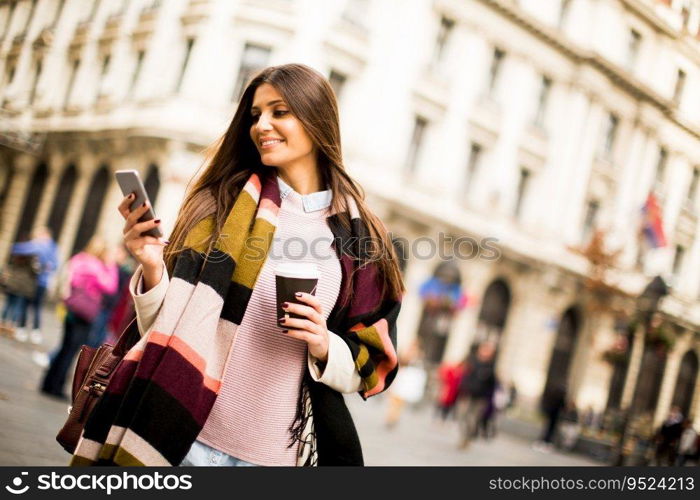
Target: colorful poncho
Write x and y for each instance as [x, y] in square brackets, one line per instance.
[161, 393]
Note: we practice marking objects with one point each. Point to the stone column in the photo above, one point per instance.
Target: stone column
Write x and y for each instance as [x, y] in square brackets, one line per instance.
[417, 271]
[53, 164]
[85, 166]
[670, 377]
[634, 366]
[14, 203]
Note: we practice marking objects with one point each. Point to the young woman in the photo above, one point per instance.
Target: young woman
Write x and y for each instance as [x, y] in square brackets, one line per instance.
[241, 389]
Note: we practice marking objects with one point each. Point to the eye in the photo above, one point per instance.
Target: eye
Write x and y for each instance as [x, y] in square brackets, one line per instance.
[254, 118]
[281, 112]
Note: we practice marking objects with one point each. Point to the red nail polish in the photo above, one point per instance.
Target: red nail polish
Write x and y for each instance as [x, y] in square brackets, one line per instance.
[282, 320]
[157, 221]
[144, 204]
[285, 305]
[285, 331]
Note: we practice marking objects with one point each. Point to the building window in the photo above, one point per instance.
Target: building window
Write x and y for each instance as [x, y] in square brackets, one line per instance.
[93, 11]
[680, 84]
[661, 167]
[57, 14]
[635, 41]
[419, 127]
[610, 135]
[254, 58]
[71, 82]
[137, 70]
[446, 25]
[337, 81]
[10, 73]
[32, 9]
[678, 261]
[123, 8]
[185, 61]
[693, 187]
[356, 12]
[10, 16]
[523, 185]
[589, 221]
[475, 155]
[545, 88]
[495, 70]
[563, 12]
[103, 73]
[35, 82]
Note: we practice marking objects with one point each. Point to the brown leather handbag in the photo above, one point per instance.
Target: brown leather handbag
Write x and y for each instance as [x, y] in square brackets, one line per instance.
[92, 373]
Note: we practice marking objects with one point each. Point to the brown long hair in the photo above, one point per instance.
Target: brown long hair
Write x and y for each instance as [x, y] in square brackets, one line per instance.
[234, 157]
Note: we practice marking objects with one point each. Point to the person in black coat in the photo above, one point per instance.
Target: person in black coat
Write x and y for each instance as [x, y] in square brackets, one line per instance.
[552, 404]
[476, 390]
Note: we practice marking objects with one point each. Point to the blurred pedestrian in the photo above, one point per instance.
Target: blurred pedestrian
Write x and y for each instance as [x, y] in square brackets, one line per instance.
[408, 386]
[449, 375]
[476, 390]
[688, 444]
[500, 401]
[668, 437]
[99, 330]
[92, 273]
[552, 404]
[19, 282]
[44, 249]
[570, 426]
[123, 310]
[442, 297]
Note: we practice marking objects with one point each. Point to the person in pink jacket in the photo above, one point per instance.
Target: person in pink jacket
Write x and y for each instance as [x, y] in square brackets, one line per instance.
[95, 272]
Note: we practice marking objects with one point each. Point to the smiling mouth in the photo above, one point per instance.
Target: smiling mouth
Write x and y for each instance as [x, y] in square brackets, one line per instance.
[270, 144]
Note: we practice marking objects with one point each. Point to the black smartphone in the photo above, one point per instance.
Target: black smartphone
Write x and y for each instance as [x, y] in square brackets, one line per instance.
[130, 182]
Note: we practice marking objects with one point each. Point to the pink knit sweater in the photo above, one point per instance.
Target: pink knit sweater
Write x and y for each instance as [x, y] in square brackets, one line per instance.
[252, 415]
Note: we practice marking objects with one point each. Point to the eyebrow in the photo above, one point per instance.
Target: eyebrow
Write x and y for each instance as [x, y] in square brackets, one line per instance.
[271, 103]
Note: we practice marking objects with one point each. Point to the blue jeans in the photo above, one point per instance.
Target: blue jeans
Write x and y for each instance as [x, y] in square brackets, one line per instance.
[75, 334]
[201, 454]
[14, 305]
[98, 330]
[36, 304]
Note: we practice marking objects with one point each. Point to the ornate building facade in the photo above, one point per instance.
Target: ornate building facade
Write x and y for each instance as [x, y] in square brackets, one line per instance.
[505, 134]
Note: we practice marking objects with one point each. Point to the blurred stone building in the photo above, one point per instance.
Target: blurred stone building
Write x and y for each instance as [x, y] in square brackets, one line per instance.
[522, 127]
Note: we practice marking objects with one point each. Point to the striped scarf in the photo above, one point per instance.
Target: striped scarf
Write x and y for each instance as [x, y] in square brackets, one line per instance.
[162, 392]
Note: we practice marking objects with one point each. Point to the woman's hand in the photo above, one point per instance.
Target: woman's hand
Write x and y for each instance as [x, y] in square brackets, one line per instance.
[147, 250]
[311, 330]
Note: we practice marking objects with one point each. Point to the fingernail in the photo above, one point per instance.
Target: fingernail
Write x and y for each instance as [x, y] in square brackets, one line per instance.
[166, 242]
[298, 294]
[157, 221]
[282, 320]
[132, 196]
[285, 331]
[144, 204]
[285, 305]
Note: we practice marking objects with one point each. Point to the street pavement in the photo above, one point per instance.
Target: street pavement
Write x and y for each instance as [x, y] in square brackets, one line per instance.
[31, 421]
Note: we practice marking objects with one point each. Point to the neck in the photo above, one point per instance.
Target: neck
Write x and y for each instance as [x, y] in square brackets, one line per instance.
[304, 179]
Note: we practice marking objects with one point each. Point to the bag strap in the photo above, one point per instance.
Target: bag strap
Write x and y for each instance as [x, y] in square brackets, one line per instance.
[129, 337]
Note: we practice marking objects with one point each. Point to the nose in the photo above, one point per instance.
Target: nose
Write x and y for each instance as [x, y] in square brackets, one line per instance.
[263, 122]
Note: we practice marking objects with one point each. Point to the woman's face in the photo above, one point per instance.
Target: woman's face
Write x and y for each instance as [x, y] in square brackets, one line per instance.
[278, 134]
